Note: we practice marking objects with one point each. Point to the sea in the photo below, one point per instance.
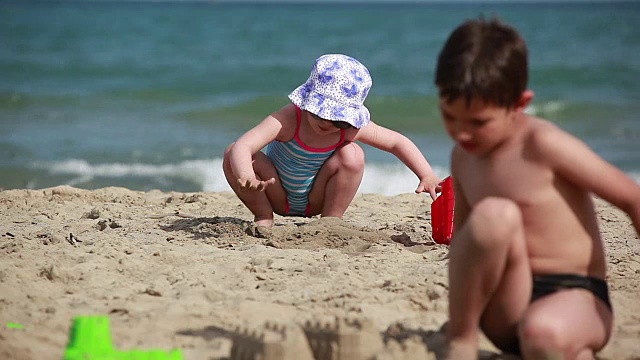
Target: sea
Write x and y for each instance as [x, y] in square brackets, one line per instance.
[148, 94]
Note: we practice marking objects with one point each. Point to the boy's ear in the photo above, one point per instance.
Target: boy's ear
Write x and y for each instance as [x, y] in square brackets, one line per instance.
[525, 100]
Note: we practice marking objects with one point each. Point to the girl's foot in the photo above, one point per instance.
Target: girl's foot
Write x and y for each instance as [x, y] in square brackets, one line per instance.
[260, 222]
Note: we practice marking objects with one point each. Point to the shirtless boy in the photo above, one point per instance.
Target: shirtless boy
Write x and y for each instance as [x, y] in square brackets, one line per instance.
[527, 263]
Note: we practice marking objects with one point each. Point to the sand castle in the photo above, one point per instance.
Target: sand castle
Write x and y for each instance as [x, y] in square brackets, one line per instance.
[272, 342]
[341, 339]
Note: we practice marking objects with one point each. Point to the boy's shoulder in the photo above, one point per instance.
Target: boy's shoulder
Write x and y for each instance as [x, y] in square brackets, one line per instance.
[540, 124]
[547, 143]
[541, 133]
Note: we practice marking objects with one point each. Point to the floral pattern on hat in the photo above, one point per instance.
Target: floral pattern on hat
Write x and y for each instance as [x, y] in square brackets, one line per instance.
[336, 90]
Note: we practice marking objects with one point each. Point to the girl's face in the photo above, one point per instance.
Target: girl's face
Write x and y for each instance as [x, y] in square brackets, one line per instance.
[477, 127]
[323, 126]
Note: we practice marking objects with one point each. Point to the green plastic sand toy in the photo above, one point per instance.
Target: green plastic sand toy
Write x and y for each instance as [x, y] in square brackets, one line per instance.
[90, 339]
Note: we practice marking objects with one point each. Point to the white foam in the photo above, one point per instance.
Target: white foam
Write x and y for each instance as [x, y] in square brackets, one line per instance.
[392, 179]
[380, 178]
[635, 176]
[546, 108]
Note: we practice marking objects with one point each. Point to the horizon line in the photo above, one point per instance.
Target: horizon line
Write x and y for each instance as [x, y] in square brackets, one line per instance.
[320, 2]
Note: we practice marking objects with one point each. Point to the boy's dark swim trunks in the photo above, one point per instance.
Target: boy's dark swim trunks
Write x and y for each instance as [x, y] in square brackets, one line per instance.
[544, 285]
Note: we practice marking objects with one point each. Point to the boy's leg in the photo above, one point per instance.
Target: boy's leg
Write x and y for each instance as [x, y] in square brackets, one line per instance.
[337, 182]
[569, 324]
[261, 203]
[489, 277]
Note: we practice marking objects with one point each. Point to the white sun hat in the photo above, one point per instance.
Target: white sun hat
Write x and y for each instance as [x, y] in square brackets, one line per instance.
[336, 90]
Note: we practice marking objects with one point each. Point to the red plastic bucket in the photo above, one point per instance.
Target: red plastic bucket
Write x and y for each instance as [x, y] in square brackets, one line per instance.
[442, 213]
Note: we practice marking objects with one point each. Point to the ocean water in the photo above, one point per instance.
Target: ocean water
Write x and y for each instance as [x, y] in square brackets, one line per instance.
[147, 95]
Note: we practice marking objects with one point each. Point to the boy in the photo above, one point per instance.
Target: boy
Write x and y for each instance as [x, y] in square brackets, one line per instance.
[527, 263]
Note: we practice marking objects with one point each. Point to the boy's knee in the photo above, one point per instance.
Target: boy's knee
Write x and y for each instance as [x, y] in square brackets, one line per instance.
[543, 337]
[498, 209]
[350, 156]
[495, 219]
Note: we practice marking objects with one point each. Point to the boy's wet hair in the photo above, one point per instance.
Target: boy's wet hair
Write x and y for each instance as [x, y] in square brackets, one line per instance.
[484, 59]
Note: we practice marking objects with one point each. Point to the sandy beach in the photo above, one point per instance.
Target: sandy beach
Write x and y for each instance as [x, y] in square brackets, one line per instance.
[185, 270]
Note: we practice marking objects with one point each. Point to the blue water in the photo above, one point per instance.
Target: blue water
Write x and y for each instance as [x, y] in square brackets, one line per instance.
[147, 95]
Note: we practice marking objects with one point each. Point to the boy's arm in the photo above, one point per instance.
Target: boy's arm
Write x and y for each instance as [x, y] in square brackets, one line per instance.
[461, 208]
[405, 150]
[576, 162]
[240, 156]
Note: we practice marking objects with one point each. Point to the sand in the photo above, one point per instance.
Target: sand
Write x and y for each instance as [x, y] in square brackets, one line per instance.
[185, 270]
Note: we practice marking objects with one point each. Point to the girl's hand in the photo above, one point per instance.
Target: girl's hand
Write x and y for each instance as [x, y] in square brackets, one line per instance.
[430, 184]
[254, 184]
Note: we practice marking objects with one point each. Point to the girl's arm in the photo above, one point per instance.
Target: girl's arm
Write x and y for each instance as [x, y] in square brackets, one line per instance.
[269, 129]
[404, 149]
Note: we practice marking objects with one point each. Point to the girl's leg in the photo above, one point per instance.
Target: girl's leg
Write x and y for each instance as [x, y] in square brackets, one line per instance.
[337, 181]
[489, 278]
[569, 324]
[261, 203]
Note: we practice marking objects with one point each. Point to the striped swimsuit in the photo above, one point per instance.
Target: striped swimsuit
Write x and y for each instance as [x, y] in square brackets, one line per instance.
[297, 165]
